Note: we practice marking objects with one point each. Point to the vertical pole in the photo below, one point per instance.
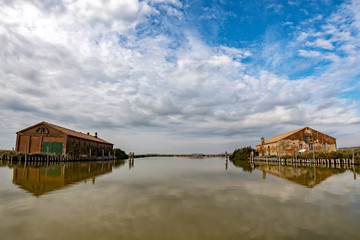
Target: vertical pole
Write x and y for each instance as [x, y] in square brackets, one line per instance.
[133, 159]
[353, 156]
[226, 161]
[25, 161]
[278, 152]
[47, 153]
[313, 153]
[25, 154]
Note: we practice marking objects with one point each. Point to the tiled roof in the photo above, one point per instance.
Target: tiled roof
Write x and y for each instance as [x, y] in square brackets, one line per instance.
[72, 133]
[282, 136]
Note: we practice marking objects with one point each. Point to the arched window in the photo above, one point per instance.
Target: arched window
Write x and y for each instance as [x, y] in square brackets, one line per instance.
[42, 130]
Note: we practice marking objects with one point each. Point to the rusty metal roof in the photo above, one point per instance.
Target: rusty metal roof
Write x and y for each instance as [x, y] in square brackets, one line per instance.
[71, 133]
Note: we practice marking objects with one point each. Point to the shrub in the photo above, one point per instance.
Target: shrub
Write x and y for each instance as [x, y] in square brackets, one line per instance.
[308, 155]
[287, 157]
[321, 155]
[334, 155]
[242, 154]
[120, 154]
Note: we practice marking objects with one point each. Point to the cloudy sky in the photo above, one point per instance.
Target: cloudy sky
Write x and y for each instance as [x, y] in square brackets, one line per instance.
[181, 76]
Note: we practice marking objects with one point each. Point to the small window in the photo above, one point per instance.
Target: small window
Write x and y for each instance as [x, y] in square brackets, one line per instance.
[324, 146]
[300, 146]
[308, 138]
[42, 130]
[310, 146]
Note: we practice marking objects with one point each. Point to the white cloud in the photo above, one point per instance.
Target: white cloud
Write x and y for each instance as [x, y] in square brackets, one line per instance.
[310, 54]
[102, 65]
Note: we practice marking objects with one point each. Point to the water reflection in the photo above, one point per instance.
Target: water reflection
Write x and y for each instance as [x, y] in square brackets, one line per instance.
[41, 178]
[180, 198]
[308, 175]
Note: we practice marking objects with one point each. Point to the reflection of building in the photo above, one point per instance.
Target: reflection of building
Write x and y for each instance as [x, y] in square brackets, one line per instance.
[46, 137]
[40, 180]
[306, 176]
[305, 138]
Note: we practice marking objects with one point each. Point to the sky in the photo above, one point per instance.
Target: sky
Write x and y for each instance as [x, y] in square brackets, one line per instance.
[175, 76]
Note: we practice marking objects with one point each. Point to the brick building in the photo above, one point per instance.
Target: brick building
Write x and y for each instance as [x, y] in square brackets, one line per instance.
[304, 140]
[43, 137]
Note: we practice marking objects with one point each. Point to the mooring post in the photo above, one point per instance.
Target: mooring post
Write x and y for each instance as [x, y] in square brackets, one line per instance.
[47, 153]
[25, 154]
[133, 160]
[313, 154]
[226, 160]
[353, 156]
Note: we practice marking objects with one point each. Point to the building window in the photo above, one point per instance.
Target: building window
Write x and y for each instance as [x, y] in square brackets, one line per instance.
[300, 146]
[324, 146]
[42, 130]
[308, 138]
[310, 146]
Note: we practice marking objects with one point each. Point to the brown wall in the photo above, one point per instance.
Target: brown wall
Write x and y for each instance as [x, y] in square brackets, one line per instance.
[84, 143]
[23, 141]
[292, 143]
[33, 140]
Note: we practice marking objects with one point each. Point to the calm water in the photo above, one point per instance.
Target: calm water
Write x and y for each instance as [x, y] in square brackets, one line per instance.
[178, 198]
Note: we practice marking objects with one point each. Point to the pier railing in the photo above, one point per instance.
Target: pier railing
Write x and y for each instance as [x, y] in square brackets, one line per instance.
[341, 161]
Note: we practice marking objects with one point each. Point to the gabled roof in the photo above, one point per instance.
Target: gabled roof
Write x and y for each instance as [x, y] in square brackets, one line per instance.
[282, 136]
[285, 135]
[69, 132]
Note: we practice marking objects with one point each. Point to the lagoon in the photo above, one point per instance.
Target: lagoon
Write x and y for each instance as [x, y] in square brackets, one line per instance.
[178, 198]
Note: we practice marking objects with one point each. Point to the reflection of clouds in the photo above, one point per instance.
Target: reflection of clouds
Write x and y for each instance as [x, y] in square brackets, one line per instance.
[190, 201]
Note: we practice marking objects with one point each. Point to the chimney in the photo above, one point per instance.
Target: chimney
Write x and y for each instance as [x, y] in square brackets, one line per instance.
[262, 141]
[96, 134]
[88, 133]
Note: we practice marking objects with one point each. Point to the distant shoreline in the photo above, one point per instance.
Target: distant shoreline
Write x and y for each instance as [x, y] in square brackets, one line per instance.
[197, 156]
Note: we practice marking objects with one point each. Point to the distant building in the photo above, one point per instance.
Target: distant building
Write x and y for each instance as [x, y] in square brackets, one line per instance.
[44, 137]
[304, 140]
